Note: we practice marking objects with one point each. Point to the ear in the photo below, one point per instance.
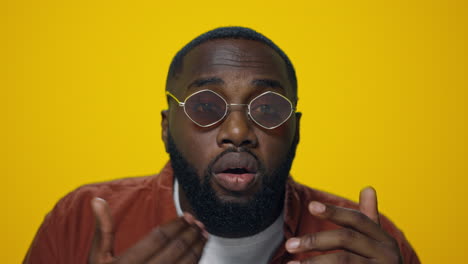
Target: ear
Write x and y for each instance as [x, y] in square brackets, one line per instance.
[298, 122]
[164, 126]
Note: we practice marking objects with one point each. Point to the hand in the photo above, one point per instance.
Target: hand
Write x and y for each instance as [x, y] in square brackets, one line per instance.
[361, 238]
[180, 241]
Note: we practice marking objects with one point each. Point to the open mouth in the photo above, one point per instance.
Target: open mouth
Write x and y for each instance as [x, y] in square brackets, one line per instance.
[235, 171]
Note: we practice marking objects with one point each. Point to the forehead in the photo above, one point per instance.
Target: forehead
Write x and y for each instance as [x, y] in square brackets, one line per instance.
[236, 62]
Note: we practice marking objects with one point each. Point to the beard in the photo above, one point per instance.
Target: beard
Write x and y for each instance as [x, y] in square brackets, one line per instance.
[229, 218]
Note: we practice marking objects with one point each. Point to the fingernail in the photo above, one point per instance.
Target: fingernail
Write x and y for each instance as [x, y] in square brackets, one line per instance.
[294, 262]
[200, 224]
[293, 243]
[97, 201]
[202, 228]
[317, 207]
[189, 218]
[205, 234]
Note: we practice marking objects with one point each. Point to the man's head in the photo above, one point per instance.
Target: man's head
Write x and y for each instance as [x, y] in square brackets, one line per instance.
[233, 172]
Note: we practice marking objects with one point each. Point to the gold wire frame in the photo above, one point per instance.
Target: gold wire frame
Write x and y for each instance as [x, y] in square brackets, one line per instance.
[182, 104]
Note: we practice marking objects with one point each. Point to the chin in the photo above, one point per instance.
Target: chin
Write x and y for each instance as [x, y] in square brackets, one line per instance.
[237, 197]
[234, 198]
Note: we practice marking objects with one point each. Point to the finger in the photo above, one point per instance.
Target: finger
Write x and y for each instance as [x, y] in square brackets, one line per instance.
[339, 257]
[349, 218]
[368, 203]
[102, 248]
[155, 241]
[178, 247]
[343, 238]
[191, 220]
[195, 253]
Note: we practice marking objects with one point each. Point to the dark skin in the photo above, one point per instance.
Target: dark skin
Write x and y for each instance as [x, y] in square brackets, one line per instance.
[361, 239]
[179, 241]
[241, 70]
[233, 69]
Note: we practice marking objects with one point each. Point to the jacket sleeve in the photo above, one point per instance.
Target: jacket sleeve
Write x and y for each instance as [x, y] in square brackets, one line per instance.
[407, 252]
[65, 234]
[43, 249]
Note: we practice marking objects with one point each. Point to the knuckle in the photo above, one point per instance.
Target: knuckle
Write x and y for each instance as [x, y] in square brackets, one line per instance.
[360, 218]
[394, 243]
[194, 256]
[309, 241]
[392, 253]
[395, 259]
[158, 235]
[391, 243]
[180, 245]
[346, 236]
[195, 229]
[331, 212]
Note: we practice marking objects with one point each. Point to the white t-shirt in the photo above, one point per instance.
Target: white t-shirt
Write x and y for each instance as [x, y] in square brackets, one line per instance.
[256, 249]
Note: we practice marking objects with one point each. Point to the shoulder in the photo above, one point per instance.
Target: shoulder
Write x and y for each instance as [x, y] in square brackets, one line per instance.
[117, 192]
[66, 232]
[111, 191]
[128, 196]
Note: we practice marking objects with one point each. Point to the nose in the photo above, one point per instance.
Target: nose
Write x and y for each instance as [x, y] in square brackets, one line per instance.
[236, 130]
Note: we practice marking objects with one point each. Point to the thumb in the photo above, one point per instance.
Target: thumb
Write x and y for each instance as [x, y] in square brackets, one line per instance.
[102, 247]
[368, 204]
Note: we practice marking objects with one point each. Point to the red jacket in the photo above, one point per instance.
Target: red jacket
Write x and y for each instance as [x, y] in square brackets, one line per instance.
[140, 204]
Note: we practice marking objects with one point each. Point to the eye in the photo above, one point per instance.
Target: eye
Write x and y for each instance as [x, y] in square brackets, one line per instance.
[264, 109]
[205, 107]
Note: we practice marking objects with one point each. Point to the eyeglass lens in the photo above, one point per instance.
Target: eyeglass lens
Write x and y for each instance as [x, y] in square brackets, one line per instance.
[205, 108]
[268, 110]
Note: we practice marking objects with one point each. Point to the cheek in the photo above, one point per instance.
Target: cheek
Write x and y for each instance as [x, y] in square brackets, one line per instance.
[274, 145]
[195, 144]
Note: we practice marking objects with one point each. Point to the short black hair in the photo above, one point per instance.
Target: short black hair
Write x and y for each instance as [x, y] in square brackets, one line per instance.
[231, 33]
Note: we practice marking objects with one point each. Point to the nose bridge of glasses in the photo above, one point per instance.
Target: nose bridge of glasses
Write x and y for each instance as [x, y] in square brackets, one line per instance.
[243, 108]
[238, 106]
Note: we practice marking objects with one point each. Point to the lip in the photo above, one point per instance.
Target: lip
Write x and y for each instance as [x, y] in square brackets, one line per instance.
[235, 182]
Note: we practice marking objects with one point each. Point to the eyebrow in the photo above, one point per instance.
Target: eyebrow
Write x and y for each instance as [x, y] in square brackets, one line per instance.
[268, 83]
[205, 81]
[262, 83]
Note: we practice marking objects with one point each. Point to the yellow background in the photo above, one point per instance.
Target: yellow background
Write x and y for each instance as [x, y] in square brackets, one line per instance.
[382, 86]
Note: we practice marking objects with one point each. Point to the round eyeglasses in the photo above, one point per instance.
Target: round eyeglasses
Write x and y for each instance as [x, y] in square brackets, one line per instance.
[206, 108]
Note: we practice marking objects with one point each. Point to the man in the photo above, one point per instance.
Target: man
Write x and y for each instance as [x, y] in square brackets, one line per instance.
[231, 131]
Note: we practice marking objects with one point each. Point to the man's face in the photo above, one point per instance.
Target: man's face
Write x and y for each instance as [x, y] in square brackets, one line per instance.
[238, 70]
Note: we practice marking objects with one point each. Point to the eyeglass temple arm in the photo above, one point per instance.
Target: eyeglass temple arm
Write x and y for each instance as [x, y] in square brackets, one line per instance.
[175, 98]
